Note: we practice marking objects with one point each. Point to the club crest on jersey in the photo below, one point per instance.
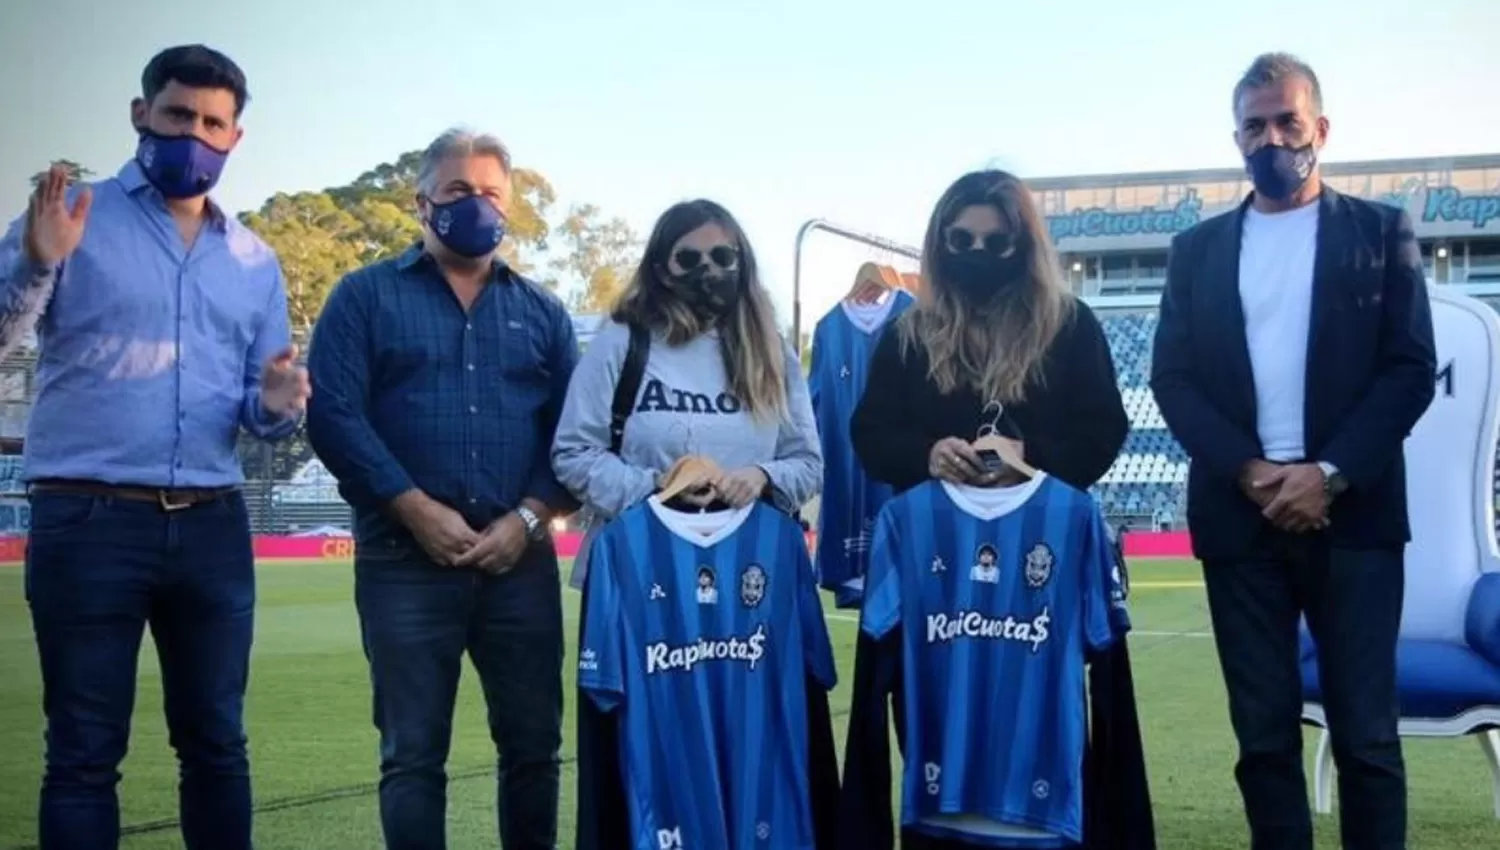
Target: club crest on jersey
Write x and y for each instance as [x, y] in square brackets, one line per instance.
[1039, 563]
[937, 564]
[657, 592]
[752, 585]
[986, 565]
[708, 591]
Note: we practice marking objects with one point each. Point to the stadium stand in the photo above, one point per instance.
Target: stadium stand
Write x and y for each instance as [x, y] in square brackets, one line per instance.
[1147, 479]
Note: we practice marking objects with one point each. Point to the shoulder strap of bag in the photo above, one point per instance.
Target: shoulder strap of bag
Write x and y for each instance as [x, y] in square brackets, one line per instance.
[631, 373]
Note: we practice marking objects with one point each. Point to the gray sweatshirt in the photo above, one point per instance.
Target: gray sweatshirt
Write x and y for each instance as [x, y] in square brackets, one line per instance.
[683, 407]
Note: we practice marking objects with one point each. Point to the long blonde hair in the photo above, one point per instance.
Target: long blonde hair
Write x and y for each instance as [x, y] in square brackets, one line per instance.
[999, 351]
[748, 340]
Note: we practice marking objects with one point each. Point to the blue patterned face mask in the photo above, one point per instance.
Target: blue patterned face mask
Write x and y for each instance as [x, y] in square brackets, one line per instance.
[469, 226]
[1279, 171]
[180, 166]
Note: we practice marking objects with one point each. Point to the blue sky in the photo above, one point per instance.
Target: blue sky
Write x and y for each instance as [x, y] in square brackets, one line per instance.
[855, 111]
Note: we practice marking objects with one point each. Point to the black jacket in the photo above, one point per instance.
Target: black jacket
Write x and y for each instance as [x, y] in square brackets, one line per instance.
[1072, 421]
[1371, 372]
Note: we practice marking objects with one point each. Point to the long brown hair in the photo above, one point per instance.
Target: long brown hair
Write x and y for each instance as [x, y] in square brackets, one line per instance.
[748, 340]
[998, 352]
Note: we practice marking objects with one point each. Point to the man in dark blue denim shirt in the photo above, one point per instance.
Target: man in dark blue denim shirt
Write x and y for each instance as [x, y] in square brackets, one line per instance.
[438, 377]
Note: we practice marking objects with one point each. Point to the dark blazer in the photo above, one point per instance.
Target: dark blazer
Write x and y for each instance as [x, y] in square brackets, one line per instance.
[1371, 372]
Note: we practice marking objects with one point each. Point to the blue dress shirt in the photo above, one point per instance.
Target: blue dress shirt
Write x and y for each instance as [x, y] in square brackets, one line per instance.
[150, 351]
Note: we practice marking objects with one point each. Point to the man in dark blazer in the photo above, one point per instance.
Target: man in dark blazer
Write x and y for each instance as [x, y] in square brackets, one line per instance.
[1293, 356]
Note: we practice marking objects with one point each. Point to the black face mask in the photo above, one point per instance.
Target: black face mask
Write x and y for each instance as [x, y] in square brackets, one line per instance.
[710, 293]
[978, 275]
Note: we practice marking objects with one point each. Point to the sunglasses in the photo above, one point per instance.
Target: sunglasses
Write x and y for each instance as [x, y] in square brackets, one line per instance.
[725, 257]
[960, 239]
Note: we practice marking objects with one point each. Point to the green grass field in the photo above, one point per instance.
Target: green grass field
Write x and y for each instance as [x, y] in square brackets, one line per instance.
[314, 749]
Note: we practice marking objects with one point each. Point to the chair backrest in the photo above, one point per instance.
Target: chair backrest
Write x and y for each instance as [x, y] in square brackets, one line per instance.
[1450, 471]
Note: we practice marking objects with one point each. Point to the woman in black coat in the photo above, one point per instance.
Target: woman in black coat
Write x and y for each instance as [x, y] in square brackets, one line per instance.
[995, 338]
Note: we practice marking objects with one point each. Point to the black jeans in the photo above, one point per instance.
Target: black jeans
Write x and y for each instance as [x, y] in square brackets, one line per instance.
[1353, 605]
[98, 570]
[418, 619]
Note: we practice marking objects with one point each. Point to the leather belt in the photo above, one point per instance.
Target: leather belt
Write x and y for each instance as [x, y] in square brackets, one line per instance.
[168, 498]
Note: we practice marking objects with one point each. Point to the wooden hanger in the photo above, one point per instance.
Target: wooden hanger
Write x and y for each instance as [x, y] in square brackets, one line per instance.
[911, 282]
[1009, 452]
[686, 472]
[991, 440]
[871, 283]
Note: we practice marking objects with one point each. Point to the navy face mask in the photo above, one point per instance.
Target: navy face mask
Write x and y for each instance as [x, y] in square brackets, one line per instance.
[1279, 171]
[469, 227]
[179, 166]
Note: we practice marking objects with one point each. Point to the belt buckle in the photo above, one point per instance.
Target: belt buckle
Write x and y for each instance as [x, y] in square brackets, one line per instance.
[167, 505]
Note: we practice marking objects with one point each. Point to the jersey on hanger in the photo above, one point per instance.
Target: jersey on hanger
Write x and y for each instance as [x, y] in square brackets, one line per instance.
[701, 630]
[843, 342]
[998, 593]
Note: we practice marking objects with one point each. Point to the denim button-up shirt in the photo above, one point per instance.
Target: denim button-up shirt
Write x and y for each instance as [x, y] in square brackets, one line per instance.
[410, 390]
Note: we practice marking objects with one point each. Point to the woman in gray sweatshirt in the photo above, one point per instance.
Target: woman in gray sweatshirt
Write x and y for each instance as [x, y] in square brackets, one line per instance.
[719, 380]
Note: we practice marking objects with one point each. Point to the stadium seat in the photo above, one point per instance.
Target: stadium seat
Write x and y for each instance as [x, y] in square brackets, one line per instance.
[1448, 653]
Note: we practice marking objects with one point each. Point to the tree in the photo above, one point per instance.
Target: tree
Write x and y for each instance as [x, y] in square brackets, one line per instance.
[322, 236]
[76, 172]
[318, 242]
[602, 253]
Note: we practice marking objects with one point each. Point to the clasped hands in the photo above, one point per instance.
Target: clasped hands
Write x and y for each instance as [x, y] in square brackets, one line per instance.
[736, 489]
[1293, 496]
[448, 539]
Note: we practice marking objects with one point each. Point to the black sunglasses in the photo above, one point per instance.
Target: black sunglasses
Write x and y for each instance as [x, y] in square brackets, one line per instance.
[961, 239]
[723, 256]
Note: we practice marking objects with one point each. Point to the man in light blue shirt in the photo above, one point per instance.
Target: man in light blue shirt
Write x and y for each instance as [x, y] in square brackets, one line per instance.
[162, 325]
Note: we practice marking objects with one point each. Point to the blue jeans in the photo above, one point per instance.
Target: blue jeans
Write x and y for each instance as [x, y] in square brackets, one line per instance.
[98, 570]
[1352, 601]
[418, 619]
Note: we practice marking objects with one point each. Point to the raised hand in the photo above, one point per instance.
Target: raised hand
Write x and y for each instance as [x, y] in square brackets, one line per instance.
[53, 230]
[284, 387]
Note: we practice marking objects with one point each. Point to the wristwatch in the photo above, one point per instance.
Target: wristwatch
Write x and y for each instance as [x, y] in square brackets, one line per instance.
[535, 530]
[1334, 482]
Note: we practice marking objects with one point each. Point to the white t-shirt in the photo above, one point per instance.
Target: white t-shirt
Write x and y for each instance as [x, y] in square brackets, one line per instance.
[1277, 255]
